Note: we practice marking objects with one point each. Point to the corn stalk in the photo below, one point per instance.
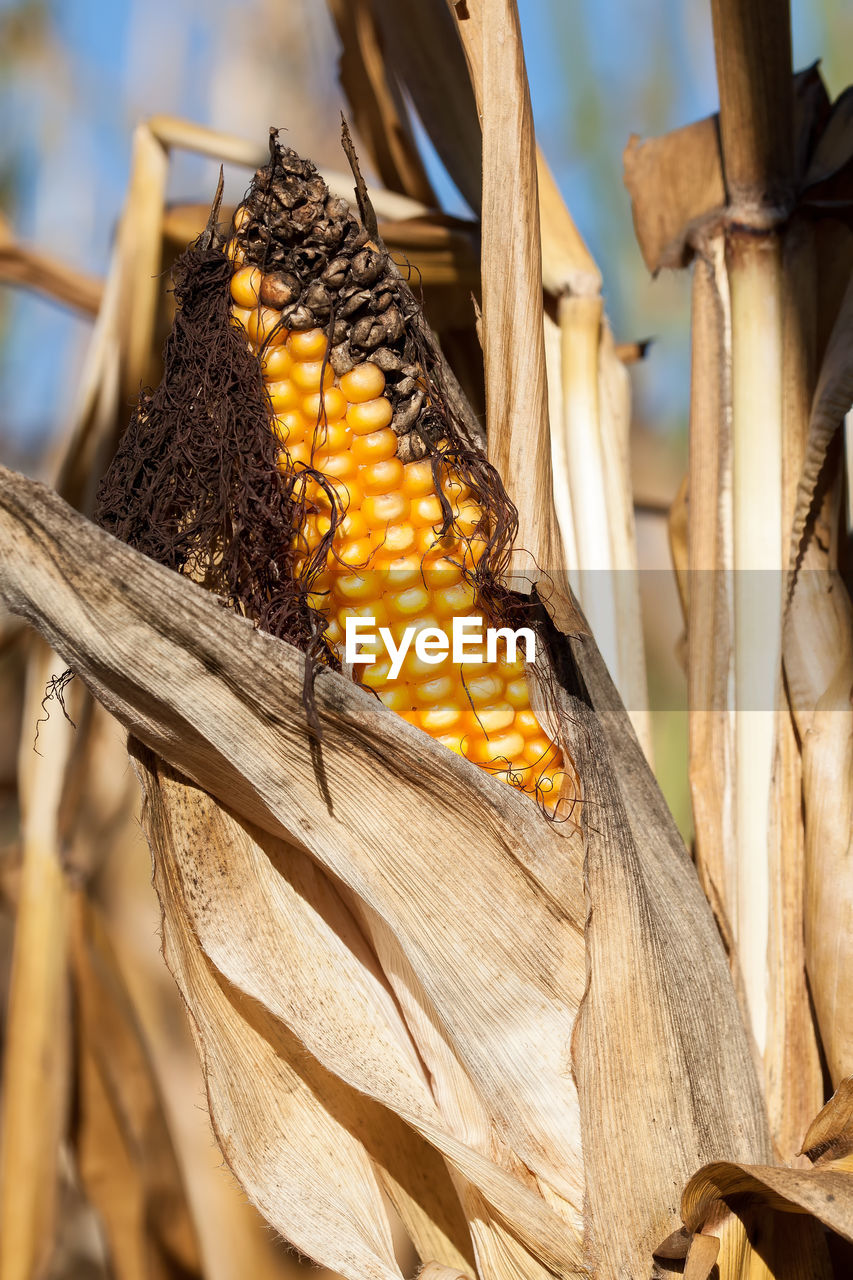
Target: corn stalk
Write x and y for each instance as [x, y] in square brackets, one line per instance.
[762, 308]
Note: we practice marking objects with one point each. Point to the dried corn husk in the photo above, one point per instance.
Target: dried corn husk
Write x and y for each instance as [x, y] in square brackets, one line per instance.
[498, 952]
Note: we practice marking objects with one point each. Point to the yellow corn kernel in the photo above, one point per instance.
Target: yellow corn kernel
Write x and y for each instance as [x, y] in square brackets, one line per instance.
[441, 718]
[517, 692]
[417, 479]
[334, 632]
[376, 446]
[308, 344]
[364, 382]
[427, 511]
[396, 697]
[284, 395]
[398, 572]
[454, 488]
[382, 477]
[377, 674]
[355, 588]
[374, 610]
[393, 540]
[337, 466]
[509, 670]
[264, 327]
[298, 454]
[466, 517]
[240, 317]
[355, 553]
[458, 599]
[412, 602]
[290, 428]
[330, 405]
[491, 719]
[334, 437]
[536, 750]
[439, 689]
[382, 509]
[245, 286]
[311, 375]
[276, 363]
[369, 416]
[484, 689]
[526, 723]
[348, 493]
[353, 525]
[498, 748]
[438, 545]
[441, 572]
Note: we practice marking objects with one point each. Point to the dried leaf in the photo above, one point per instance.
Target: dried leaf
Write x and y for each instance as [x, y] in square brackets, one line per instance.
[513, 350]
[423, 52]
[375, 100]
[678, 529]
[675, 183]
[834, 151]
[757, 897]
[124, 1152]
[277, 930]
[223, 704]
[818, 656]
[559, 451]
[826, 1193]
[662, 1061]
[270, 1106]
[567, 264]
[830, 1134]
[756, 1242]
[499, 1255]
[833, 398]
[701, 1257]
[709, 631]
[614, 397]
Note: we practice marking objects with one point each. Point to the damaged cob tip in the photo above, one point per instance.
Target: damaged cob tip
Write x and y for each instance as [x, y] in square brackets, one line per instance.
[387, 513]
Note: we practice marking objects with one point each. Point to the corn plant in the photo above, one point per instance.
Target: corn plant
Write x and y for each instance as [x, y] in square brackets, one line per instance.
[463, 1002]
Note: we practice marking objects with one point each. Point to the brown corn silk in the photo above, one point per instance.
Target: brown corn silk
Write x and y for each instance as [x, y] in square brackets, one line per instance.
[304, 458]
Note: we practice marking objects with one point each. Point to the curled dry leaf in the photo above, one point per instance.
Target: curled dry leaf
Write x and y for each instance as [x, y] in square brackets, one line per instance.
[830, 1134]
[500, 957]
[825, 1193]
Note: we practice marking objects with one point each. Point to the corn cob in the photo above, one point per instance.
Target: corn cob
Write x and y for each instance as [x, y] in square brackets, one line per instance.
[391, 529]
